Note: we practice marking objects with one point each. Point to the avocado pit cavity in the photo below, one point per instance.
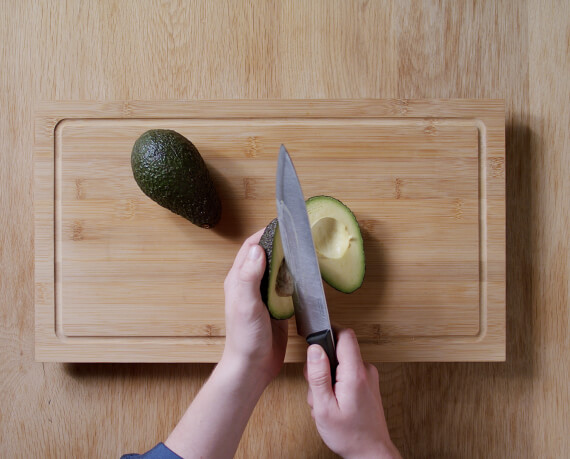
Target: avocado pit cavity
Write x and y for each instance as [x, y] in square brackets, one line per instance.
[331, 237]
[284, 285]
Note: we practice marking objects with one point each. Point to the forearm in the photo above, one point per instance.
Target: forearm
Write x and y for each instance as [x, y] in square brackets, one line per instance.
[214, 423]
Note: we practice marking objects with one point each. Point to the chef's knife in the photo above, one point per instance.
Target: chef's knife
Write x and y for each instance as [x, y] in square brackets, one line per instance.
[311, 311]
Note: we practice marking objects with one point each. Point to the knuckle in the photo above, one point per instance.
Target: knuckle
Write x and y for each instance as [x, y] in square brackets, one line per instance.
[319, 378]
[347, 334]
[373, 371]
[248, 272]
[350, 332]
[246, 275]
[361, 376]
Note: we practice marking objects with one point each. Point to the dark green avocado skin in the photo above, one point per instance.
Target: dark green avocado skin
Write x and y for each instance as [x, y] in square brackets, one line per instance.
[266, 242]
[169, 169]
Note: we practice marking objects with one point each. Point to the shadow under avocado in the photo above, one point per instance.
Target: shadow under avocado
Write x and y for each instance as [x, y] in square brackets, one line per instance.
[231, 225]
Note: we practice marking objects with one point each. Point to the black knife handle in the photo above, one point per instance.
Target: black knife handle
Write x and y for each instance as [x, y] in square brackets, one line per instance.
[325, 339]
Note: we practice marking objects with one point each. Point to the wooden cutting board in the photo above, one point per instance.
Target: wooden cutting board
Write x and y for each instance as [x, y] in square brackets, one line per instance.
[119, 278]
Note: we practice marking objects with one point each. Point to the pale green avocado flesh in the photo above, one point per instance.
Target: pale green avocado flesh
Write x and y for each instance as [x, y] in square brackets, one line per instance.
[339, 247]
[338, 243]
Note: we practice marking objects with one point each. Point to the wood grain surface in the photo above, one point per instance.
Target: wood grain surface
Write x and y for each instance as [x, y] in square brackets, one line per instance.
[155, 50]
[120, 279]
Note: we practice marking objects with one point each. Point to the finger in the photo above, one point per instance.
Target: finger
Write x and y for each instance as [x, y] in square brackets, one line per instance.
[319, 376]
[309, 391]
[374, 379]
[242, 286]
[373, 374]
[252, 266]
[242, 252]
[239, 259]
[347, 349]
[243, 282]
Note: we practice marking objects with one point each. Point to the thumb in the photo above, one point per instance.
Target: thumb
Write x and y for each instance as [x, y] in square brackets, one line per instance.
[250, 273]
[319, 377]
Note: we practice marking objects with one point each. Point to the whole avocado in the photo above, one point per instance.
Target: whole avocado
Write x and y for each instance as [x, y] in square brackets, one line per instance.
[169, 169]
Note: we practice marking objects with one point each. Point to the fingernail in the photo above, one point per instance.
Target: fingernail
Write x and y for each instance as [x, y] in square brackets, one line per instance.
[315, 353]
[254, 252]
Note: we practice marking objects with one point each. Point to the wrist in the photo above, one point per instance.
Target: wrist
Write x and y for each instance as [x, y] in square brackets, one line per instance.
[241, 374]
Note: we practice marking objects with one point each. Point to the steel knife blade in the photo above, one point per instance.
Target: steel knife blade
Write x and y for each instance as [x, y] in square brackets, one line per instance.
[311, 311]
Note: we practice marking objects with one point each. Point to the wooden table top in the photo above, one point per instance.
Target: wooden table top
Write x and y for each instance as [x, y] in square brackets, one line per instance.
[111, 50]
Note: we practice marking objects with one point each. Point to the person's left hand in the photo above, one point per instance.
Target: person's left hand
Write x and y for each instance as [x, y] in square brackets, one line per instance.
[252, 338]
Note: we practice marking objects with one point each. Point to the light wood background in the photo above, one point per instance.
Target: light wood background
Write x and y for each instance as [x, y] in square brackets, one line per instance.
[517, 50]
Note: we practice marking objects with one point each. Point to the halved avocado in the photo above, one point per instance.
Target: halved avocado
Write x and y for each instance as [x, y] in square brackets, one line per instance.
[277, 284]
[338, 242]
[339, 247]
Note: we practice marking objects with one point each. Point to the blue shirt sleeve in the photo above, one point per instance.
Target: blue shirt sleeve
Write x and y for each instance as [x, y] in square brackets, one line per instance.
[160, 451]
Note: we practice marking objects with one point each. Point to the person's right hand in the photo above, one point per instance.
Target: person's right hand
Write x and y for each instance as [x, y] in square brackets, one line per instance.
[350, 417]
